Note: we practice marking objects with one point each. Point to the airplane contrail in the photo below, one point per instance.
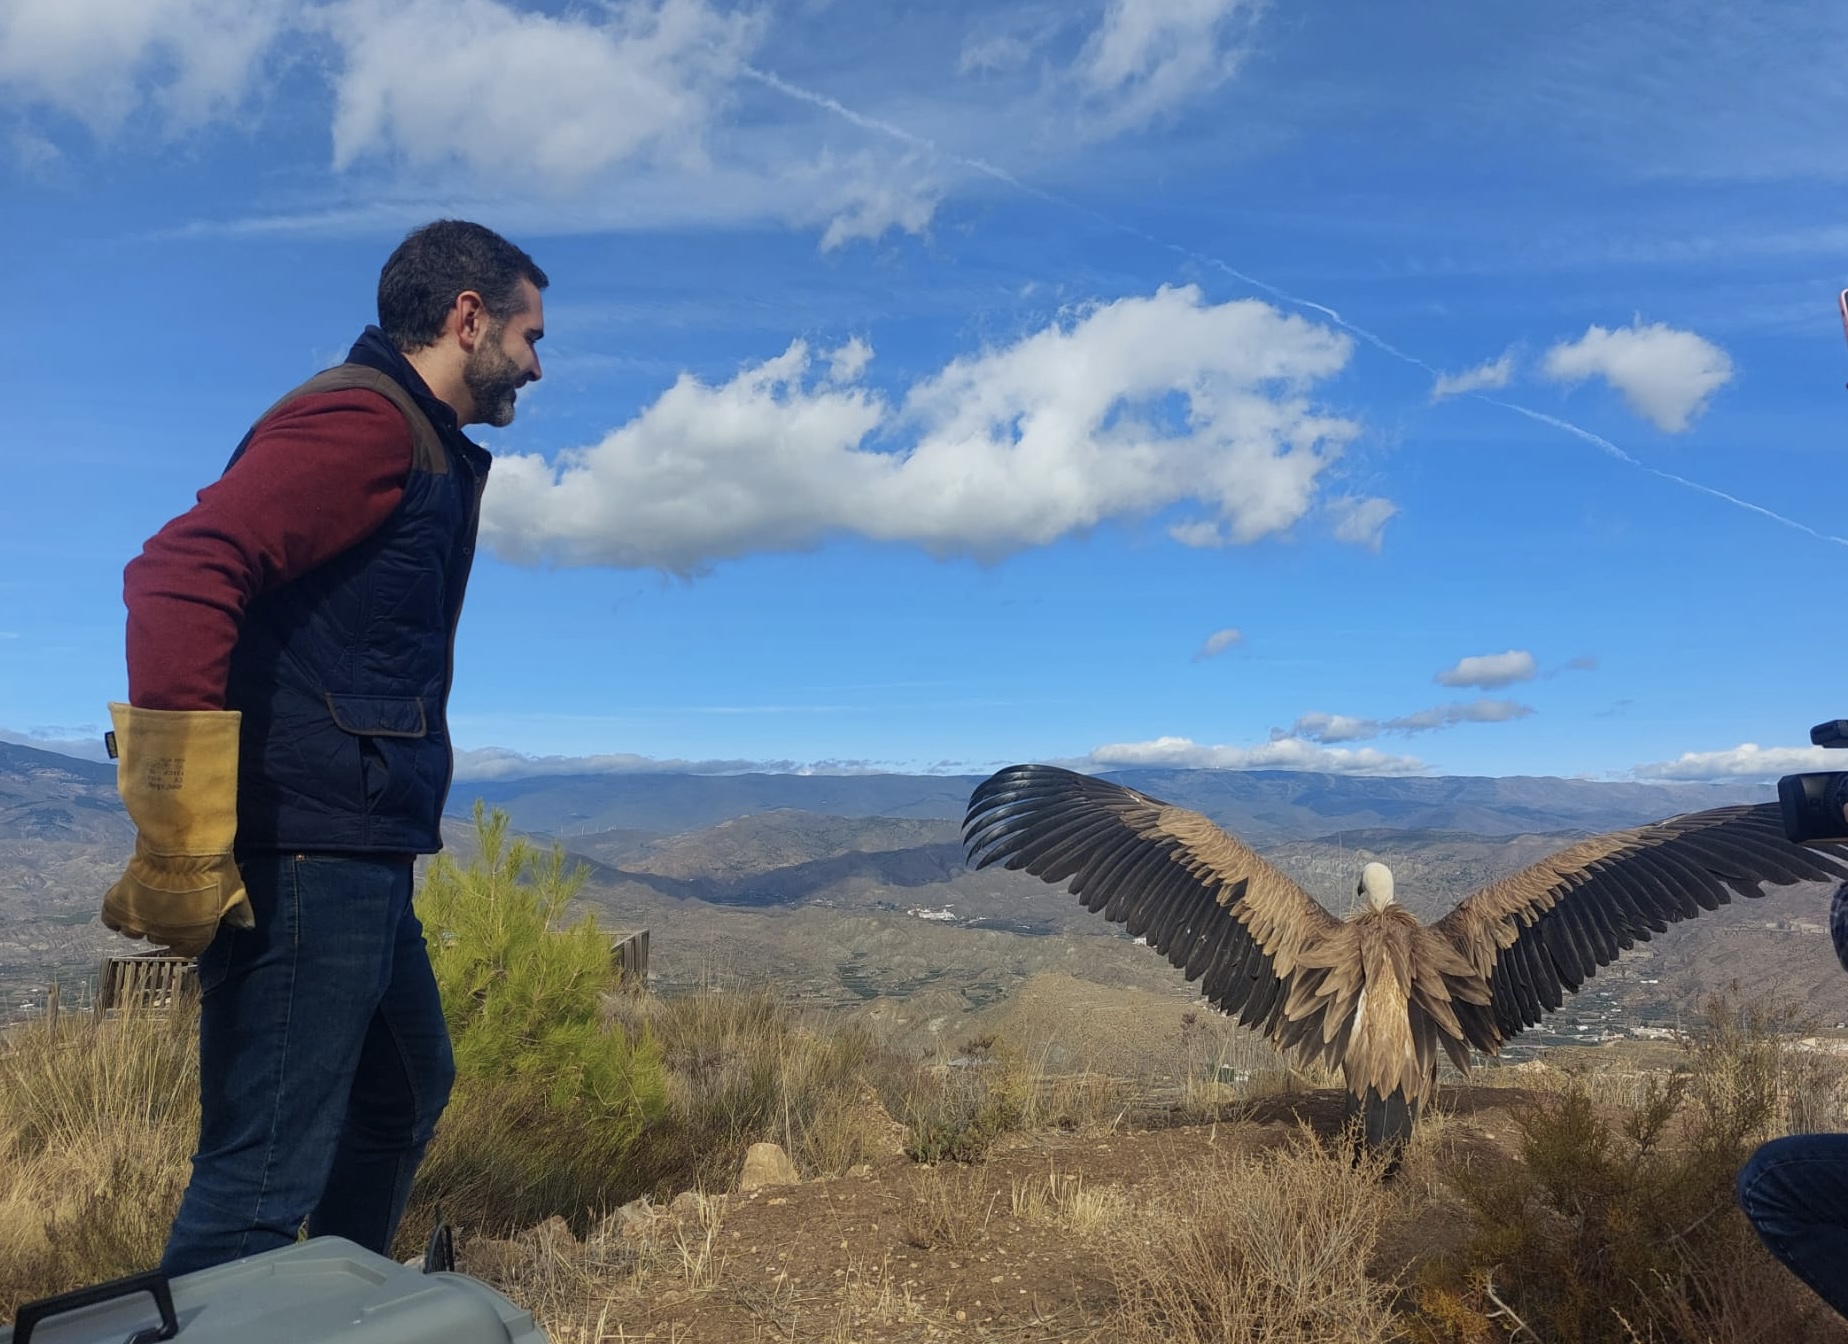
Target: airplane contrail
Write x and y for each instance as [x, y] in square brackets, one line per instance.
[770, 79]
[1606, 446]
[882, 127]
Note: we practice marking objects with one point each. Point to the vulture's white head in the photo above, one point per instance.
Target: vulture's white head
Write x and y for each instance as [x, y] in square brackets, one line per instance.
[1376, 886]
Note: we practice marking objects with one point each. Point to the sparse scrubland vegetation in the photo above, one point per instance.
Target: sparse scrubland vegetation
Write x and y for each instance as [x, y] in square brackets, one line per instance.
[97, 1121]
[974, 1193]
[1617, 1222]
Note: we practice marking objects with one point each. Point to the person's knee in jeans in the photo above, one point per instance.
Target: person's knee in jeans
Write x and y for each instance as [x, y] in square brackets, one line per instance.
[1777, 1186]
[433, 1092]
[1794, 1192]
[400, 1113]
[1754, 1186]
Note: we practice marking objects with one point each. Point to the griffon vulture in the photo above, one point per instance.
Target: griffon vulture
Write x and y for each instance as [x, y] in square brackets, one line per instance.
[1377, 993]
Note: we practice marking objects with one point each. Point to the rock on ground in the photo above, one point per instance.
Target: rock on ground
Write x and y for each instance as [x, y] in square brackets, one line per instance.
[766, 1164]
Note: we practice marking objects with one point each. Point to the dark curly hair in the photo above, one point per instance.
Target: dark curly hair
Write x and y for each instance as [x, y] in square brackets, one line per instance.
[435, 264]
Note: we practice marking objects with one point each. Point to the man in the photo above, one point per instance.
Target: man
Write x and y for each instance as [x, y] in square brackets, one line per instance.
[1794, 1189]
[290, 646]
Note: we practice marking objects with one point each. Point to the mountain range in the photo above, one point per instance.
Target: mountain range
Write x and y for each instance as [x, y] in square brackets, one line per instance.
[1261, 806]
[853, 889]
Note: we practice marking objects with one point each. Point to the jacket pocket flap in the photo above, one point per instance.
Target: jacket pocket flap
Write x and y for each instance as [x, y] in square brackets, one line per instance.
[379, 715]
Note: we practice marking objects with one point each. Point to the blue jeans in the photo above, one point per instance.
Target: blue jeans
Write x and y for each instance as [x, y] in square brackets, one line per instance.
[323, 1062]
[1794, 1191]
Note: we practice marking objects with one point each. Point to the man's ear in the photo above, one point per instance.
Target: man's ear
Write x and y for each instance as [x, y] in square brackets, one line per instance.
[469, 319]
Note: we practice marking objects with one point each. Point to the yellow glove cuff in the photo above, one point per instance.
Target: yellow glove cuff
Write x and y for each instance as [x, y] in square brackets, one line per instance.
[177, 774]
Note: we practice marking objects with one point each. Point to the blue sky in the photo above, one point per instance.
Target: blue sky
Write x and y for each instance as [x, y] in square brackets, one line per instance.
[1412, 388]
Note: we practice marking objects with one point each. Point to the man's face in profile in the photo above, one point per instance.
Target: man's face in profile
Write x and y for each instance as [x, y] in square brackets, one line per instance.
[506, 361]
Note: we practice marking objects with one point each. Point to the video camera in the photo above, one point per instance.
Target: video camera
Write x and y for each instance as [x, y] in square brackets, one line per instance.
[1813, 803]
[1816, 805]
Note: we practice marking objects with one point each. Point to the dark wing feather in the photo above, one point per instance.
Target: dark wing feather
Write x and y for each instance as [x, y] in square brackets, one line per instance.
[1203, 900]
[1541, 933]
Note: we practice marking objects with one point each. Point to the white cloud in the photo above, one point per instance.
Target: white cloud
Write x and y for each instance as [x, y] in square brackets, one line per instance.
[866, 197]
[601, 117]
[104, 61]
[619, 114]
[1666, 375]
[1217, 643]
[1005, 51]
[847, 363]
[1746, 761]
[864, 192]
[1362, 522]
[1278, 754]
[1116, 410]
[486, 763]
[525, 98]
[1448, 716]
[1583, 663]
[1495, 373]
[492, 763]
[1148, 57]
[34, 153]
[1319, 727]
[1347, 728]
[1490, 671]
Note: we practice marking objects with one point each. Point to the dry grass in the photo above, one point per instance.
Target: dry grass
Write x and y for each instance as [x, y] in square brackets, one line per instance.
[1062, 1200]
[871, 1298]
[97, 1120]
[591, 1292]
[742, 1067]
[957, 1111]
[1248, 1247]
[580, 1290]
[1257, 1248]
[951, 1206]
[745, 1067]
[868, 1297]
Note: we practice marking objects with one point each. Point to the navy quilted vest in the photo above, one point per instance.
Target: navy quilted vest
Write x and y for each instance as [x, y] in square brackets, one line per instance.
[343, 675]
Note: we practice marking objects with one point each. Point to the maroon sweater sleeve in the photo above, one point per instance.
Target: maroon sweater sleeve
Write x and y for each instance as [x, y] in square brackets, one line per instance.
[318, 477]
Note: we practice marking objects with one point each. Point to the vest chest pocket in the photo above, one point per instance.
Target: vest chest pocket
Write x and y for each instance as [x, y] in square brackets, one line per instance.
[379, 715]
[384, 727]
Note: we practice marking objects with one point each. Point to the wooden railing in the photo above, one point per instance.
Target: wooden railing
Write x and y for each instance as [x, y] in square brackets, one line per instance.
[151, 980]
[156, 980]
[630, 956]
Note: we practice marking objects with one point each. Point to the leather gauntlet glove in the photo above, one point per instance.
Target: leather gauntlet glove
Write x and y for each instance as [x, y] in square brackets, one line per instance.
[177, 773]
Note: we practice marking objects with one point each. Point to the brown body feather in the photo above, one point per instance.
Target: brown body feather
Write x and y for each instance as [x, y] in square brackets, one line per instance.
[1379, 994]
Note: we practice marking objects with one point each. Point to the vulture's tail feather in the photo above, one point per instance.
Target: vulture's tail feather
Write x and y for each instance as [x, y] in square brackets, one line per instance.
[1385, 1125]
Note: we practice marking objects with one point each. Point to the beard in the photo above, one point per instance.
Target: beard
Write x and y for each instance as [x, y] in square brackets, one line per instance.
[492, 379]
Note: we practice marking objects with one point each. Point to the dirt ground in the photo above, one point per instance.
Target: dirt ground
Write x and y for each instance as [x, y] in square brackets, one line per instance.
[898, 1252]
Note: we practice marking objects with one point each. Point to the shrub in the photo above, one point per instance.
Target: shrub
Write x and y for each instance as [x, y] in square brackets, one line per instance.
[1618, 1223]
[957, 1124]
[550, 1097]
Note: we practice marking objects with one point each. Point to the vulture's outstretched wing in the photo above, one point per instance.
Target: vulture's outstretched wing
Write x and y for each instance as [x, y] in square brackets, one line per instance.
[1206, 902]
[1541, 933]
